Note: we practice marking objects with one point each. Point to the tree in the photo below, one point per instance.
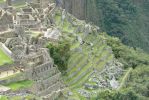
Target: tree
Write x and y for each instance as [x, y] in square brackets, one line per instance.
[60, 53]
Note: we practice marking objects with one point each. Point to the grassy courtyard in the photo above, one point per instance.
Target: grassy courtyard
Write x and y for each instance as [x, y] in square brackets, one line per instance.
[2, 1]
[20, 85]
[4, 59]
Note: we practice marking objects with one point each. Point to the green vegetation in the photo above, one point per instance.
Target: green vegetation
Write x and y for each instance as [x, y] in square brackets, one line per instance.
[28, 97]
[125, 78]
[80, 64]
[18, 3]
[77, 61]
[134, 84]
[2, 1]
[19, 85]
[4, 59]
[3, 97]
[60, 53]
[127, 19]
[80, 59]
[130, 57]
[126, 94]
[136, 87]
[139, 82]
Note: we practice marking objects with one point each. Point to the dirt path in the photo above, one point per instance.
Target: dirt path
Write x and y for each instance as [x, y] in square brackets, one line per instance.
[7, 73]
[125, 78]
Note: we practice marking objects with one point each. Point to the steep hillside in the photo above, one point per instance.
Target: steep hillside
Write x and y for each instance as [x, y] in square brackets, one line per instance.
[126, 19]
[89, 58]
[94, 65]
[90, 62]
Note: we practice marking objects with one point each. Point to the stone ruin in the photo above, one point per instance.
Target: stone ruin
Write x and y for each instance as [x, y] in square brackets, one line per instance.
[28, 53]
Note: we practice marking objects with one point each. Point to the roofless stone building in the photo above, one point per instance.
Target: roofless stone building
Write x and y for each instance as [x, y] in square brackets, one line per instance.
[31, 60]
[9, 2]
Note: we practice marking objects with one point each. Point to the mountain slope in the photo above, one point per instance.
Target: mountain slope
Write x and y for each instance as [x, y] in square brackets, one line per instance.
[126, 19]
[91, 64]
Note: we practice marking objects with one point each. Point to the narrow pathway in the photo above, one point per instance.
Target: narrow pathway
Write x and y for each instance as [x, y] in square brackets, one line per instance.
[7, 74]
[125, 78]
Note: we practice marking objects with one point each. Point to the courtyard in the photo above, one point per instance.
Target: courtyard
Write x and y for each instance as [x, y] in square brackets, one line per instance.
[4, 59]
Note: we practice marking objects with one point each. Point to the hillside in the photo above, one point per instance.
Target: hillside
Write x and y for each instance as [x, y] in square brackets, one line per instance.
[127, 19]
[76, 60]
[91, 62]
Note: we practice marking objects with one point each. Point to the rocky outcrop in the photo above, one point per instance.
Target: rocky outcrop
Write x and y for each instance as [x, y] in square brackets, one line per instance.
[82, 9]
[76, 7]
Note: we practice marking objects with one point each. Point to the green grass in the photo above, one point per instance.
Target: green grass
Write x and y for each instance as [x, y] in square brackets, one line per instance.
[79, 68]
[85, 68]
[75, 46]
[124, 79]
[35, 33]
[20, 85]
[4, 59]
[78, 65]
[81, 81]
[2, 1]
[2, 97]
[74, 64]
[19, 6]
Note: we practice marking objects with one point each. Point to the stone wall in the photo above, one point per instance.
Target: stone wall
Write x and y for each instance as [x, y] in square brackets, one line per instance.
[34, 59]
[35, 63]
[14, 78]
[8, 67]
[3, 40]
[38, 70]
[5, 50]
[8, 34]
[46, 78]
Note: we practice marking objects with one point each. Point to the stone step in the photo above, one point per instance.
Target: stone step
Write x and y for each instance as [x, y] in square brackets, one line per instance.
[77, 70]
[74, 63]
[100, 54]
[84, 60]
[74, 55]
[81, 81]
[103, 58]
[49, 90]
[81, 73]
[80, 76]
[103, 63]
[49, 73]
[55, 76]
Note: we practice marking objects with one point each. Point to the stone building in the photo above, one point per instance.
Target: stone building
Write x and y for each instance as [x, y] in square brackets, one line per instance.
[30, 58]
[6, 20]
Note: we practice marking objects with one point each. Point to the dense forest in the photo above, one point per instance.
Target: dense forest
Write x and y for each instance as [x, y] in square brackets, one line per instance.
[127, 19]
[135, 86]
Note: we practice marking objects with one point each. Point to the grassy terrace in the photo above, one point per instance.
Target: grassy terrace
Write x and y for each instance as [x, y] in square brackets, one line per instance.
[16, 3]
[2, 1]
[27, 97]
[4, 59]
[81, 63]
[19, 4]
[20, 85]
[35, 33]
